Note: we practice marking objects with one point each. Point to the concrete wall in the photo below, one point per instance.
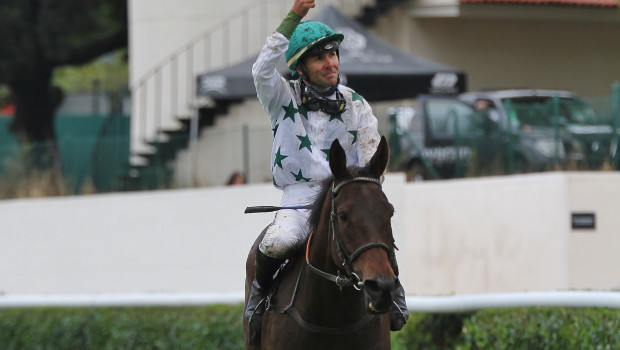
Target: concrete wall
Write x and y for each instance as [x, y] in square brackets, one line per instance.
[457, 236]
[512, 234]
[166, 241]
[592, 263]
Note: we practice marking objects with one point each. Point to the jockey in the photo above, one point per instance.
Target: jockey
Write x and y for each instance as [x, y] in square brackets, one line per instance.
[306, 115]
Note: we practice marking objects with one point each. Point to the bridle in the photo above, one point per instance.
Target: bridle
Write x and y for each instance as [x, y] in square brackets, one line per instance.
[349, 278]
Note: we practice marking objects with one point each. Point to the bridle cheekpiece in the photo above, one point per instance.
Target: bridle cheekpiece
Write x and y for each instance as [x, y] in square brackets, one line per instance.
[349, 278]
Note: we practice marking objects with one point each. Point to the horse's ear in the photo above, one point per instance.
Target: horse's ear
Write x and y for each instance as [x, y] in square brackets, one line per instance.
[379, 161]
[337, 160]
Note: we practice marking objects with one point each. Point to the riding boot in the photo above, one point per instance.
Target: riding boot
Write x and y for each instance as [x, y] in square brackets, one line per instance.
[264, 267]
[398, 312]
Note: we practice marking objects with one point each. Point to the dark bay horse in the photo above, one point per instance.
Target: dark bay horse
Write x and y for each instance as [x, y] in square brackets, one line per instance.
[335, 292]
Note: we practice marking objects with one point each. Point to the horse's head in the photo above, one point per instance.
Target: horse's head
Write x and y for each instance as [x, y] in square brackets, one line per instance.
[362, 241]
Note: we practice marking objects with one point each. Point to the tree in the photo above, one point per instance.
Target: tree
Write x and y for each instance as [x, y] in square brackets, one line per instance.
[41, 35]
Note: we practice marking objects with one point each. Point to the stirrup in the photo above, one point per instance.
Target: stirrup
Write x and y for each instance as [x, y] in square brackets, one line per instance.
[259, 310]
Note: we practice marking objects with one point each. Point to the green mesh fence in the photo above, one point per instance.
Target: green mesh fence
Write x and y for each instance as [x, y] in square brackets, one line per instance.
[94, 150]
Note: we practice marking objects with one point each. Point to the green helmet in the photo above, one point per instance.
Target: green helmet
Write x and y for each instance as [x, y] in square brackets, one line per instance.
[308, 35]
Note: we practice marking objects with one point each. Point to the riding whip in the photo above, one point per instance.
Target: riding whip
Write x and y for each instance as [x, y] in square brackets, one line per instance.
[268, 208]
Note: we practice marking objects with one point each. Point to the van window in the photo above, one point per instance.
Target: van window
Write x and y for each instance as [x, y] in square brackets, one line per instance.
[449, 118]
[540, 110]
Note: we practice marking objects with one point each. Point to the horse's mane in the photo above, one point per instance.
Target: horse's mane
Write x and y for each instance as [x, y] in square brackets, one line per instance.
[317, 205]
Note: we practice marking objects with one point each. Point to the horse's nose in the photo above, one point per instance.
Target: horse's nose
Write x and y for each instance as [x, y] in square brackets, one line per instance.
[379, 293]
[380, 286]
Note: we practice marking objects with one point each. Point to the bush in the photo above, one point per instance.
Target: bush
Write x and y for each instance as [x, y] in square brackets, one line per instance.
[543, 328]
[213, 327]
[521, 328]
[219, 327]
[429, 332]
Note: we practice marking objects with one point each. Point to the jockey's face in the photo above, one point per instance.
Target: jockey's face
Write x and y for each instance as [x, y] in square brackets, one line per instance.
[322, 70]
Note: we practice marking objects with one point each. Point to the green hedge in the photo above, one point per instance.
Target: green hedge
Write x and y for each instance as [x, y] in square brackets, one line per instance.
[213, 327]
[219, 327]
[521, 328]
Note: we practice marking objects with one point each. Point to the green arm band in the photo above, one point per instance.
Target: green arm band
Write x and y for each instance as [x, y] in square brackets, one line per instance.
[288, 25]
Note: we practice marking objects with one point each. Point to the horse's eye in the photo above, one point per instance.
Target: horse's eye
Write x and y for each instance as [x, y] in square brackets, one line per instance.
[393, 212]
[343, 216]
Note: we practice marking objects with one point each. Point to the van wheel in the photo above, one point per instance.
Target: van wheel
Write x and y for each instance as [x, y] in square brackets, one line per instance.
[417, 172]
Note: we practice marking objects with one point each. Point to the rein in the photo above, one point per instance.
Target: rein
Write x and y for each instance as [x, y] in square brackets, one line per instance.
[350, 278]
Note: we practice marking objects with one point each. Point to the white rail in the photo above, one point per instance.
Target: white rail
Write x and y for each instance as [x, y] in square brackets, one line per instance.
[436, 304]
[473, 302]
[119, 300]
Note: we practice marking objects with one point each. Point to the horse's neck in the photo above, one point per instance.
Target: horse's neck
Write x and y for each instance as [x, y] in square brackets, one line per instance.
[324, 298]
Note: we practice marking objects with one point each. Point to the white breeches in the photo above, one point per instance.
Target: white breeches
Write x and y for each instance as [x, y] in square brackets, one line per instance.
[289, 229]
[287, 232]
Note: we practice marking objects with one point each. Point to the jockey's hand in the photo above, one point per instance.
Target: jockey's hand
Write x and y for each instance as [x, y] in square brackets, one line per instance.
[301, 7]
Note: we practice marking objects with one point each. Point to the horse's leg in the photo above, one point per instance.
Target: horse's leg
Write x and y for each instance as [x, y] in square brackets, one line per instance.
[249, 277]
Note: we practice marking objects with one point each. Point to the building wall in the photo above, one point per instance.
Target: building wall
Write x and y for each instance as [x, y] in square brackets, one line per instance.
[170, 43]
[571, 48]
[240, 141]
[158, 28]
[504, 234]
[510, 46]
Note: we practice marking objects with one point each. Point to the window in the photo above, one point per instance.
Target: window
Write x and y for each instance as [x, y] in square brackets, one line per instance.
[451, 118]
[541, 110]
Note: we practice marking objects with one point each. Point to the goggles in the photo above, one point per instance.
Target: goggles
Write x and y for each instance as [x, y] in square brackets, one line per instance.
[323, 47]
[314, 101]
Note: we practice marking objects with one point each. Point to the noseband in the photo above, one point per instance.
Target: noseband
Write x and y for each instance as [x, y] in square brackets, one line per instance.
[349, 278]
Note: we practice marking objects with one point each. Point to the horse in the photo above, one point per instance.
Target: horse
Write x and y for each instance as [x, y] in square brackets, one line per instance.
[335, 293]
